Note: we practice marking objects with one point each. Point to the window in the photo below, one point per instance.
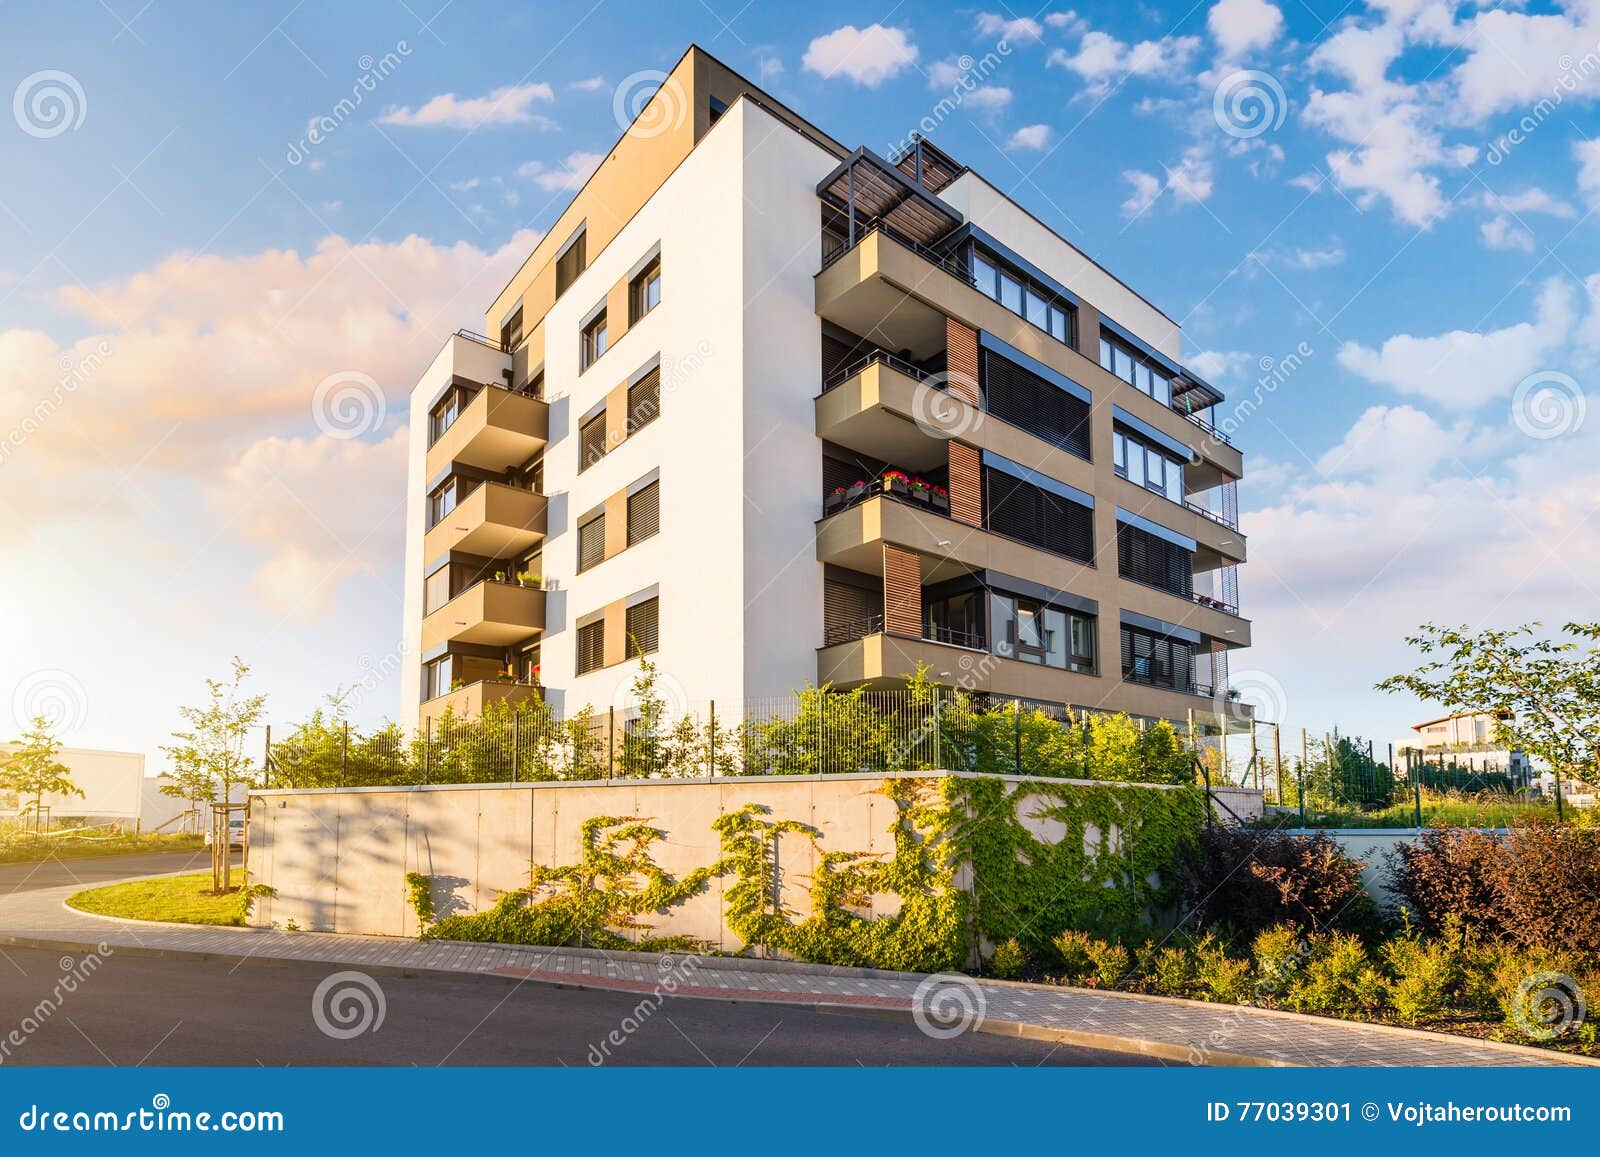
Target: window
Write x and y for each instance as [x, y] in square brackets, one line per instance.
[535, 386]
[592, 441]
[955, 619]
[715, 108]
[1145, 466]
[446, 410]
[594, 341]
[1037, 303]
[644, 513]
[1149, 559]
[436, 590]
[511, 331]
[591, 647]
[644, 401]
[1042, 408]
[1143, 373]
[592, 543]
[1157, 659]
[1035, 632]
[573, 261]
[644, 291]
[436, 678]
[644, 621]
[443, 500]
[1037, 516]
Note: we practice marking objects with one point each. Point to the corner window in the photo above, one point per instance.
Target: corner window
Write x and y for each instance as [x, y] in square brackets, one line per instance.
[1034, 632]
[1022, 296]
[644, 291]
[594, 341]
[511, 331]
[435, 678]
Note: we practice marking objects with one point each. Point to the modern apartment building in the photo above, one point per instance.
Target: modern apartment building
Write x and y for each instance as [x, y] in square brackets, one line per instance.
[1468, 739]
[778, 411]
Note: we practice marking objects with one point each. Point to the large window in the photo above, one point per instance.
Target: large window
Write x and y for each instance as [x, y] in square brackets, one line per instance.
[1146, 466]
[644, 628]
[446, 410]
[445, 497]
[1023, 398]
[511, 330]
[1037, 516]
[1157, 660]
[592, 543]
[644, 513]
[591, 647]
[1035, 632]
[572, 261]
[1143, 373]
[956, 619]
[592, 441]
[436, 678]
[1022, 296]
[1152, 560]
[644, 291]
[436, 590]
[644, 401]
[593, 342]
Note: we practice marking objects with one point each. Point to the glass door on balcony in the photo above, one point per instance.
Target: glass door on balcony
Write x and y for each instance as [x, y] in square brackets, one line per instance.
[955, 619]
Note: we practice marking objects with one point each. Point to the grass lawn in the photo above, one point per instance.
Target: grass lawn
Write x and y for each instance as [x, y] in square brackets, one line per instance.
[17, 847]
[1485, 811]
[178, 899]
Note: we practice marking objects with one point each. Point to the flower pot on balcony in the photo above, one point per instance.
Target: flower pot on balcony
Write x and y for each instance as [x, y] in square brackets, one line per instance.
[941, 503]
[896, 487]
[856, 490]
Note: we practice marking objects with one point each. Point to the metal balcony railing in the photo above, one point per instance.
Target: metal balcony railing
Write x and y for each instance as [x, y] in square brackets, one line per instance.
[951, 263]
[846, 497]
[893, 361]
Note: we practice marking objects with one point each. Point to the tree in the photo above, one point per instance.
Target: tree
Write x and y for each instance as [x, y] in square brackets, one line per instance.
[33, 771]
[1545, 692]
[208, 760]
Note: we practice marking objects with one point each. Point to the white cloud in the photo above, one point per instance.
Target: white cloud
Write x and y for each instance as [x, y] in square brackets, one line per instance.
[1219, 365]
[989, 98]
[1515, 60]
[1022, 28]
[1146, 188]
[577, 169]
[1588, 157]
[1103, 61]
[1189, 180]
[589, 84]
[1243, 26]
[1530, 200]
[868, 56]
[1030, 137]
[1301, 258]
[1069, 22]
[1397, 443]
[511, 105]
[1463, 369]
[1501, 233]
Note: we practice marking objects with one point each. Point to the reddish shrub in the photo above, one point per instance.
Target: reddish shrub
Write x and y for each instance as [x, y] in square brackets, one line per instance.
[1449, 872]
[1248, 881]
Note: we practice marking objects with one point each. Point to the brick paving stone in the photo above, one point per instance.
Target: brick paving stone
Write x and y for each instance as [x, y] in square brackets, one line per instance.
[43, 916]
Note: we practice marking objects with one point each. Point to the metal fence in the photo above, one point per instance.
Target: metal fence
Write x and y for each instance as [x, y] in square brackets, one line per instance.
[811, 733]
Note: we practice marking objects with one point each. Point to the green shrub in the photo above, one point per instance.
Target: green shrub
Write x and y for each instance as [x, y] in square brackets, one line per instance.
[1167, 969]
[1076, 950]
[1219, 976]
[1010, 960]
[1337, 978]
[1424, 974]
[1278, 953]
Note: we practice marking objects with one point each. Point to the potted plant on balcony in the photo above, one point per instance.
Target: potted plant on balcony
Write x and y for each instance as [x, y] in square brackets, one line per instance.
[527, 578]
[920, 490]
[499, 576]
[857, 489]
[896, 482]
[941, 499]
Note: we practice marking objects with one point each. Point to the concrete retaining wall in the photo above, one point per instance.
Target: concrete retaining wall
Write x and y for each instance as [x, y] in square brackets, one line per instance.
[337, 859]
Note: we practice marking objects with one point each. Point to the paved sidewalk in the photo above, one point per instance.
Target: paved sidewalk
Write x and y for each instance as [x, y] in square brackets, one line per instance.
[1180, 1031]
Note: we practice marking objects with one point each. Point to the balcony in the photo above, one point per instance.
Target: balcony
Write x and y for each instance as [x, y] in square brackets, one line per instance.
[1219, 544]
[469, 701]
[896, 294]
[494, 521]
[493, 614]
[886, 408]
[1211, 616]
[498, 430]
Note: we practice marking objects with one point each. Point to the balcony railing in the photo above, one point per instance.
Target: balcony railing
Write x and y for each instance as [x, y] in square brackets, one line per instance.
[853, 629]
[846, 497]
[894, 362]
[1215, 604]
[1211, 431]
[481, 339]
[1219, 519]
[1166, 683]
[951, 263]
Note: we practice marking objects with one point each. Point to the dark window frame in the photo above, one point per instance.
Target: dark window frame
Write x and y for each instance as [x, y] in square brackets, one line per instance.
[643, 638]
[654, 522]
[588, 561]
[590, 645]
[639, 303]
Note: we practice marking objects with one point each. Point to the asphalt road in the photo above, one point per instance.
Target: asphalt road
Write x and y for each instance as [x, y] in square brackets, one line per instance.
[137, 1010]
[58, 873]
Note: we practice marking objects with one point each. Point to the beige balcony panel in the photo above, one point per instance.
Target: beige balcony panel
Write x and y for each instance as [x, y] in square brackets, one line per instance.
[500, 429]
[491, 614]
[495, 520]
[1217, 543]
[468, 702]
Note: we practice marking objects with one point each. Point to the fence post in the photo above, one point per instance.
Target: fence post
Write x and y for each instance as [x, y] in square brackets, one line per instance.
[1416, 795]
[1016, 717]
[1255, 755]
[711, 743]
[516, 743]
[1277, 758]
[266, 758]
[611, 741]
[427, 751]
[1305, 760]
[344, 754]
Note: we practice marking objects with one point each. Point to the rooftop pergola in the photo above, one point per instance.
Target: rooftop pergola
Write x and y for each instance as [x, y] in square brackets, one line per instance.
[868, 191]
[1191, 395]
[927, 164]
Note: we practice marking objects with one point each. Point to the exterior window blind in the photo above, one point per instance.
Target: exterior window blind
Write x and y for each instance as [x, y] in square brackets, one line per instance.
[592, 543]
[1031, 514]
[1143, 557]
[850, 611]
[1157, 660]
[644, 513]
[1026, 400]
[644, 628]
[644, 401]
[592, 441]
[591, 647]
[570, 264]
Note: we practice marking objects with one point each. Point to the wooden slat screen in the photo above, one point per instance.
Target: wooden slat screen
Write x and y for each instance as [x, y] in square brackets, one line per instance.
[966, 484]
[902, 591]
[961, 359]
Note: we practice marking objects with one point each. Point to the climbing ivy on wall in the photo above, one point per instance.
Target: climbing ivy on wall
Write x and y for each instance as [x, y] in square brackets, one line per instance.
[1022, 886]
[1113, 878]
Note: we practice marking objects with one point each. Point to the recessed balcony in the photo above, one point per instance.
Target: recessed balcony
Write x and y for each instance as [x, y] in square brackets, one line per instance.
[1219, 544]
[494, 521]
[499, 429]
[468, 702]
[493, 614]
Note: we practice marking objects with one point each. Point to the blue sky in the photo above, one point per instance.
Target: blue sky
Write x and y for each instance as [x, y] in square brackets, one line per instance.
[1401, 197]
